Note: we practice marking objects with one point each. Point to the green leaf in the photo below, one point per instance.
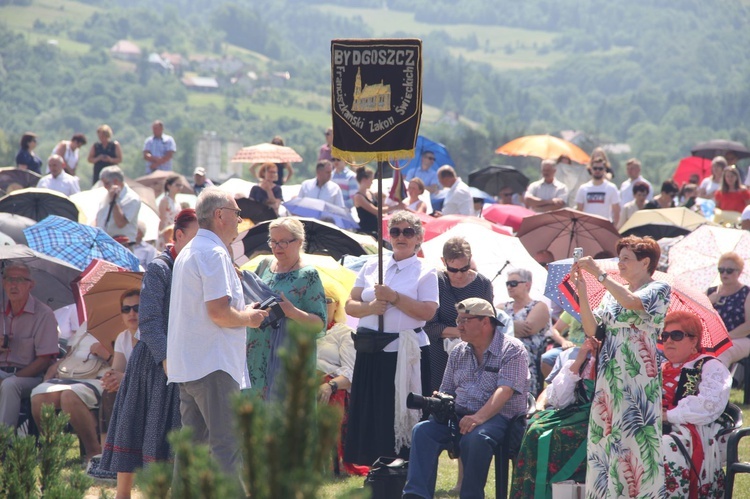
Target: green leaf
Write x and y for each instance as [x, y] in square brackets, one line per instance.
[653, 390]
[597, 433]
[650, 444]
[613, 375]
[632, 366]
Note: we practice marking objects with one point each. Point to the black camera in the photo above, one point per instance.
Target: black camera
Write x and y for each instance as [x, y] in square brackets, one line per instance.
[443, 408]
[275, 312]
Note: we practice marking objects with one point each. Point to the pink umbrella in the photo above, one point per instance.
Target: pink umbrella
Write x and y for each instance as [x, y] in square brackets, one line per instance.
[434, 226]
[507, 214]
[84, 282]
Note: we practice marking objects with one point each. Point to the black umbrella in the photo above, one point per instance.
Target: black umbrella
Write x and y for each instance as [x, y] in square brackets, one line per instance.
[255, 211]
[493, 178]
[719, 147]
[38, 204]
[22, 178]
[322, 238]
[13, 225]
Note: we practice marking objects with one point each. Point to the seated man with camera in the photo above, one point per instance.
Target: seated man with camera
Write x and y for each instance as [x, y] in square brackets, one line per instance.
[488, 375]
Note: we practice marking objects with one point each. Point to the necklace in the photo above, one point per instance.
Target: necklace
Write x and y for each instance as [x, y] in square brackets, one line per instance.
[287, 270]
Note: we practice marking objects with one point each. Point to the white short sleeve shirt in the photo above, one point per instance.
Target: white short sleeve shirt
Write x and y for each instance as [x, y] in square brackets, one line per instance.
[598, 199]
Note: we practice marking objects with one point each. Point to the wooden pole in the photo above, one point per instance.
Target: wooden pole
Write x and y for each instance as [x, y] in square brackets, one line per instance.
[381, 325]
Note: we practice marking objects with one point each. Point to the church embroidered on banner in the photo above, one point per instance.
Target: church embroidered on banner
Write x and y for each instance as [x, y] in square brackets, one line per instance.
[372, 98]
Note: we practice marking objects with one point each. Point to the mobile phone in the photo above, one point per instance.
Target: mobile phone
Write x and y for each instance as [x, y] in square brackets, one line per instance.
[577, 254]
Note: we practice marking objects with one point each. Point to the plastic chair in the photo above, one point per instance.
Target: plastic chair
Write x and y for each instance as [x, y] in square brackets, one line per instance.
[508, 450]
[734, 465]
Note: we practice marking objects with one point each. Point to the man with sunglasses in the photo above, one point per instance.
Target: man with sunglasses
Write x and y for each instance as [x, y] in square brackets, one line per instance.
[28, 344]
[426, 172]
[488, 374]
[599, 196]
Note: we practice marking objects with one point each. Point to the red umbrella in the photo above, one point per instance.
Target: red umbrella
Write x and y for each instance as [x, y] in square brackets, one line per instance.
[715, 336]
[434, 226]
[689, 166]
[507, 214]
[90, 276]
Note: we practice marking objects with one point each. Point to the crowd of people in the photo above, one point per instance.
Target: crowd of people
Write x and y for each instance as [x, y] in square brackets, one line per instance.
[620, 394]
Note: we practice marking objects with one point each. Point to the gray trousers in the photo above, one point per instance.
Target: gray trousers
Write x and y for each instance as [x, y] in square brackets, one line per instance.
[206, 407]
[12, 390]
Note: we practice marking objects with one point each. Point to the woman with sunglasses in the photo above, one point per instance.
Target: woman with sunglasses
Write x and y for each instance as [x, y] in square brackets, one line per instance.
[531, 320]
[731, 299]
[407, 299]
[627, 382]
[302, 300]
[147, 408]
[696, 390]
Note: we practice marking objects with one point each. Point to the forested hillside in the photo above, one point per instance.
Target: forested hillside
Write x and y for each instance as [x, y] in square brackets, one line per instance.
[658, 76]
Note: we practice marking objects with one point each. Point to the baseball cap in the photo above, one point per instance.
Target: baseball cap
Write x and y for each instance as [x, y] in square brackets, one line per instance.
[476, 306]
[200, 171]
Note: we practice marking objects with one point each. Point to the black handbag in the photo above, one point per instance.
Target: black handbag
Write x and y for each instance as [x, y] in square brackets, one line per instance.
[387, 477]
[370, 341]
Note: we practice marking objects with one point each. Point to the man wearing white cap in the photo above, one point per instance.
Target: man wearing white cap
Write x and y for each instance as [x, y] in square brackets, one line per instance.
[200, 181]
[488, 374]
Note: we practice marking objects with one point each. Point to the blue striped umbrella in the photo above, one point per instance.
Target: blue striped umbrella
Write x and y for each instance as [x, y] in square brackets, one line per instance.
[77, 244]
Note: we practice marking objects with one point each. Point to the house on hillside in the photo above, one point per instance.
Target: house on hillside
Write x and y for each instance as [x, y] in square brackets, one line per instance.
[278, 78]
[126, 50]
[246, 81]
[161, 65]
[214, 65]
[174, 59]
[201, 83]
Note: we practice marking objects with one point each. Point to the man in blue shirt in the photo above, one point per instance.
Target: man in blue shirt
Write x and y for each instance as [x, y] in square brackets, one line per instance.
[488, 374]
[427, 172]
[159, 149]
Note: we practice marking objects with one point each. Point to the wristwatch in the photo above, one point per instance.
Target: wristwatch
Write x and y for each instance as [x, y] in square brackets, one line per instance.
[334, 386]
[602, 276]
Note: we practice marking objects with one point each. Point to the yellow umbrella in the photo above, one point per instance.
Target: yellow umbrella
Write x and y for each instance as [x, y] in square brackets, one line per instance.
[545, 147]
[338, 281]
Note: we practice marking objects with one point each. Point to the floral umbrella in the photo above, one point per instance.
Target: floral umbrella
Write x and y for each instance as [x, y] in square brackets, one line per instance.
[266, 153]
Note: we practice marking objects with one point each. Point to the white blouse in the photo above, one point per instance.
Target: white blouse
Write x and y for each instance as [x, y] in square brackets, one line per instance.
[336, 352]
[712, 397]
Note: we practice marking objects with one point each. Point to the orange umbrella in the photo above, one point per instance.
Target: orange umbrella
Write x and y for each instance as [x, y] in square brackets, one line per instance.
[266, 153]
[543, 146]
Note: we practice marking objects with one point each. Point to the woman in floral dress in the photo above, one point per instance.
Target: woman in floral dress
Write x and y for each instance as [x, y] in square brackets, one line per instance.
[624, 454]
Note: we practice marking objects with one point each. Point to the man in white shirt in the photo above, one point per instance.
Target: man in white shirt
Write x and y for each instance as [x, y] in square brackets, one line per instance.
[57, 179]
[207, 320]
[633, 169]
[546, 194]
[458, 199]
[321, 187]
[118, 211]
[599, 196]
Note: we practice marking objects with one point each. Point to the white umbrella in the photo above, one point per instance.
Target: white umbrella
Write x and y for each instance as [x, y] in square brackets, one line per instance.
[693, 261]
[490, 252]
[237, 187]
[88, 202]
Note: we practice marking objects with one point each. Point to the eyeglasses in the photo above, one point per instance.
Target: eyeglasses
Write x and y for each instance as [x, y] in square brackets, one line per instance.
[506, 194]
[280, 244]
[125, 309]
[329, 133]
[235, 210]
[514, 283]
[329, 301]
[454, 270]
[463, 320]
[430, 158]
[408, 232]
[16, 280]
[675, 335]
[597, 168]
[726, 270]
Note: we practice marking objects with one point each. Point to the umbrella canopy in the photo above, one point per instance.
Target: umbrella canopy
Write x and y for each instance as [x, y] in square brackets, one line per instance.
[86, 280]
[560, 231]
[90, 201]
[237, 187]
[78, 244]
[145, 193]
[442, 157]
[12, 225]
[491, 252]
[493, 178]
[338, 281]
[544, 147]
[321, 237]
[692, 165]
[6, 240]
[317, 208]
[52, 276]
[255, 211]
[156, 180]
[38, 204]
[719, 147]
[266, 153]
[693, 261]
[684, 298]
[664, 222]
[434, 226]
[556, 272]
[507, 214]
[102, 303]
[21, 178]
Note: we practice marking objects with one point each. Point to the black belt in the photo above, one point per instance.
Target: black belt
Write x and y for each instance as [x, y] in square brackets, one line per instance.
[11, 370]
[370, 341]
